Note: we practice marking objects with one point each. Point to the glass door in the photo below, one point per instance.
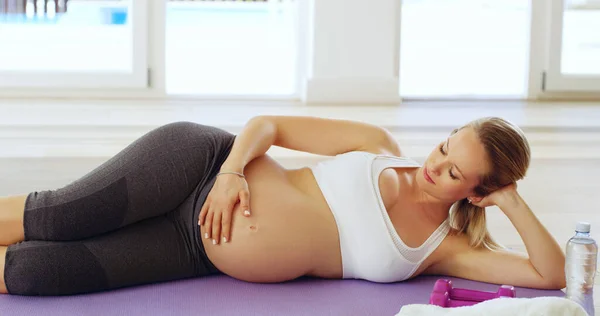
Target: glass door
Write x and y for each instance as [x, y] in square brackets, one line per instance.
[574, 57]
[225, 48]
[464, 48]
[73, 44]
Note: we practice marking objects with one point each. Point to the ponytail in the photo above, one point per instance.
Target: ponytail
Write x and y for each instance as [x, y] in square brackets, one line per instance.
[469, 219]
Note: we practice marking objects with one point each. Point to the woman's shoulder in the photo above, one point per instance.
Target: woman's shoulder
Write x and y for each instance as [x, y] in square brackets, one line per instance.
[378, 153]
[455, 242]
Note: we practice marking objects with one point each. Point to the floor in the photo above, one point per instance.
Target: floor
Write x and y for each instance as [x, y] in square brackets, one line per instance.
[250, 48]
[48, 143]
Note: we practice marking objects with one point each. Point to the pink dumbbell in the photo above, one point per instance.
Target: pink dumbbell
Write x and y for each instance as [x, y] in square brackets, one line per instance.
[445, 295]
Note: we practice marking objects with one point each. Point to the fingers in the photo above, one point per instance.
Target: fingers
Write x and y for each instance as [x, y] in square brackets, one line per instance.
[216, 223]
[226, 216]
[245, 202]
[225, 226]
[208, 225]
[203, 212]
[216, 227]
[216, 219]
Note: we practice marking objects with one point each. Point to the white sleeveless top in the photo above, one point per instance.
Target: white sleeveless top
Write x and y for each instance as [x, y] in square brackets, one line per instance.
[371, 248]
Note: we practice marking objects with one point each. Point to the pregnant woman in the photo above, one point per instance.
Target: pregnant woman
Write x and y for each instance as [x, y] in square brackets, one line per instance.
[188, 200]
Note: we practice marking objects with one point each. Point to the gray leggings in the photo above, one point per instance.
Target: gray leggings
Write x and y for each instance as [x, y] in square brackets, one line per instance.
[133, 220]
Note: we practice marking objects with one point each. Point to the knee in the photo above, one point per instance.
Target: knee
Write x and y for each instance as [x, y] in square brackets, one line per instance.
[178, 132]
[181, 127]
[198, 134]
[19, 275]
[50, 269]
[25, 281]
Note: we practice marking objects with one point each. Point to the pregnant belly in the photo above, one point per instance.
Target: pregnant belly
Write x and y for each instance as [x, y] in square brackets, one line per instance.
[288, 235]
[267, 247]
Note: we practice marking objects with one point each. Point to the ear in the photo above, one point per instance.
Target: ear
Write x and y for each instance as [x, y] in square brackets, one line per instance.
[474, 199]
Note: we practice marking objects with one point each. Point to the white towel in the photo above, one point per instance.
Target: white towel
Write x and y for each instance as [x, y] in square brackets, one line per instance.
[546, 305]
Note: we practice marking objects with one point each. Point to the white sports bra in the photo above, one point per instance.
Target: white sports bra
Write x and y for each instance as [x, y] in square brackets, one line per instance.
[371, 248]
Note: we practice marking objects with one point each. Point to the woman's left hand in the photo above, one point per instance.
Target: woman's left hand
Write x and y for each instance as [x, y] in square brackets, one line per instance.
[499, 196]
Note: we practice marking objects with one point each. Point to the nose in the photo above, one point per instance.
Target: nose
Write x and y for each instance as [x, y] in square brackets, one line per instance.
[436, 167]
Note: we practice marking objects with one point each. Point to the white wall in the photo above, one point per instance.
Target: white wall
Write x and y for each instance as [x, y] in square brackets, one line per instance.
[352, 51]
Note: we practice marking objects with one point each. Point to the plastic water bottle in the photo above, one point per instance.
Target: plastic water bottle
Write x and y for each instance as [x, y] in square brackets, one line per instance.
[580, 267]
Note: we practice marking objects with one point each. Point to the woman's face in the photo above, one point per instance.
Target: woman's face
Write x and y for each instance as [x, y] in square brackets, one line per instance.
[454, 167]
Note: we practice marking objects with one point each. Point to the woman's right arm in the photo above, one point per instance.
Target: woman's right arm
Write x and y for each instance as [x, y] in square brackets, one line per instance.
[320, 136]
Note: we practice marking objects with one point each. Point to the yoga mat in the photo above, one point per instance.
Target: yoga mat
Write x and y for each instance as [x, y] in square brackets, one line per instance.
[222, 295]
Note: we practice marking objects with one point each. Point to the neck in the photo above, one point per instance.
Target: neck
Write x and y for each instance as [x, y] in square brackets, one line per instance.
[431, 206]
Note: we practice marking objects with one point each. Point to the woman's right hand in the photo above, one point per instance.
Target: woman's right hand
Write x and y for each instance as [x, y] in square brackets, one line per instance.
[216, 213]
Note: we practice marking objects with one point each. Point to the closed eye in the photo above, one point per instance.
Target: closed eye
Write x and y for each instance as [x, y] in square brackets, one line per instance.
[449, 170]
[452, 175]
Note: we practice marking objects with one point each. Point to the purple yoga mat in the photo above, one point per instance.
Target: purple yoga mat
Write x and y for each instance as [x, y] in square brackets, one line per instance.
[222, 295]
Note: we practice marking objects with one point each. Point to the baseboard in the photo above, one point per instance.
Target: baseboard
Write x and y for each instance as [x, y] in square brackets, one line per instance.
[354, 90]
[591, 5]
[45, 141]
[86, 128]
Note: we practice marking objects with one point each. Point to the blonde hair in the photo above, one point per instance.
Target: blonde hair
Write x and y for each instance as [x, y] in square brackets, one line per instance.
[508, 156]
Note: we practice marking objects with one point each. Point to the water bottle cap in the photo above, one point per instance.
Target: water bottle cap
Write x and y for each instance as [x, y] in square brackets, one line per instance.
[583, 227]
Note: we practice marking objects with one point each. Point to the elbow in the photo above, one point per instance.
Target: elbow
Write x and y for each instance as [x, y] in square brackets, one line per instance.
[554, 279]
[259, 119]
[265, 125]
[561, 284]
[556, 282]
[553, 276]
[559, 278]
[263, 121]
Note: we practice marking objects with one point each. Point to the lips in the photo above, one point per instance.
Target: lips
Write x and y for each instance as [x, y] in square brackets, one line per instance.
[427, 177]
